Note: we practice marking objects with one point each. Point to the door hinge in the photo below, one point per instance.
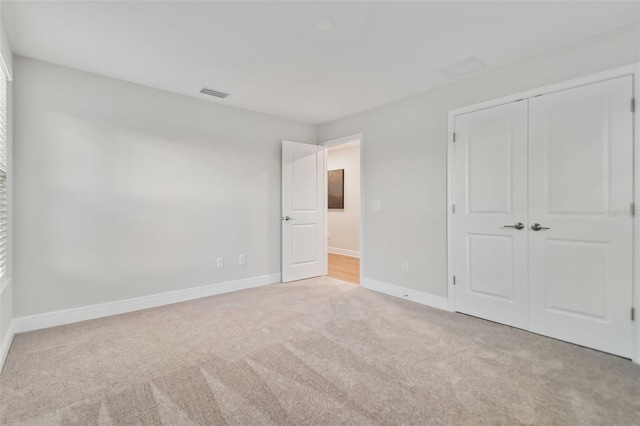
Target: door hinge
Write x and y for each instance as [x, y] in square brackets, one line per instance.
[633, 105]
[633, 314]
[454, 280]
[453, 208]
[632, 209]
[454, 136]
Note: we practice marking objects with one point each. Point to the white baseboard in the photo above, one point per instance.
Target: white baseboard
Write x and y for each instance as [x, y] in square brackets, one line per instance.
[344, 252]
[6, 344]
[68, 316]
[408, 294]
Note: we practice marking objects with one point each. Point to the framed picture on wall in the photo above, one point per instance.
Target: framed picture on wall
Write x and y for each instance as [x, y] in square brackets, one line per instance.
[336, 189]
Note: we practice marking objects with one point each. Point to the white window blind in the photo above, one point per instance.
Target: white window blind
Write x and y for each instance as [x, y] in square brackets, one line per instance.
[3, 173]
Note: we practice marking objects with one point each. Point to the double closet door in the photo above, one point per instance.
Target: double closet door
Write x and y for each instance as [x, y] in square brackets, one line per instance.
[542, 230]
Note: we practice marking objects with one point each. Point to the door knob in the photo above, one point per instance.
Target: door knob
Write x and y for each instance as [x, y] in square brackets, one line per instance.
[518, 226]
[287, 218]
[537, 227]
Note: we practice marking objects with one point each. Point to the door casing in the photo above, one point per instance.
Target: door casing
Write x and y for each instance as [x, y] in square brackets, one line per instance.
[633, 70]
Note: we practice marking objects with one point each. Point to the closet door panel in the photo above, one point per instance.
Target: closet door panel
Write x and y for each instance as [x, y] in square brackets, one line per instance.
[580, 188]
[490, 197]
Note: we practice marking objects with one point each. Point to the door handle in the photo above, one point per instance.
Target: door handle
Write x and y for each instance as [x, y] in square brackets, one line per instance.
[538, 227]
[287, 218]
[518, 226]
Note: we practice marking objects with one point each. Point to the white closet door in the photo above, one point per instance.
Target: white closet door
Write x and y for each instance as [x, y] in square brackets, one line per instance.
[580, 187]
[490, 193]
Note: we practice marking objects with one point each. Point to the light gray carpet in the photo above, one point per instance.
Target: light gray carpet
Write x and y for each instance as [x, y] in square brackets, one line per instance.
[314, 352]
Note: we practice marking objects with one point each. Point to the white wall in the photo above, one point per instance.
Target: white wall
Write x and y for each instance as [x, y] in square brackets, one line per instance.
[344, 224]
[405, 151]
[124, 191]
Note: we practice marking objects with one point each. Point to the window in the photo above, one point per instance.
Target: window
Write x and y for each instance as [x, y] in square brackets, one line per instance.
[3, 173]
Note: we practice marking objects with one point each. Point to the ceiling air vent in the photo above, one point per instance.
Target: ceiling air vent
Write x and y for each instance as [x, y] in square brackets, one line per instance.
[459, 68]
[215, 93]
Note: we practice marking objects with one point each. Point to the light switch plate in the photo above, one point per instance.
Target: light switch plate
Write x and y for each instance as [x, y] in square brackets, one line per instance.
[375, 205]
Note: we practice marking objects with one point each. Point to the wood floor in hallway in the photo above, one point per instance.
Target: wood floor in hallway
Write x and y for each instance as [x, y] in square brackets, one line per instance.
[345, 268]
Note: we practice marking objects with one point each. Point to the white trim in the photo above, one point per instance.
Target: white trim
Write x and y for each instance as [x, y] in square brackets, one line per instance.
[5, 68]
[7, 339]
[325, 212]
[635, 350]
[4, 283]
[6, 58]
[633, 70]
[340, 141]
[344, 252]
[451, 289]
[68, 316]
[427, 299]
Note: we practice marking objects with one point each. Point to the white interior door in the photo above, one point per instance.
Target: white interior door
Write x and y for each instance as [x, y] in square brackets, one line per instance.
[580, 187]
[303, 211]
[490, 196]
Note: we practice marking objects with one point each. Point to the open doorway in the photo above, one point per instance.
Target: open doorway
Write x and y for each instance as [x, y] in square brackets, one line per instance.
[344, 208]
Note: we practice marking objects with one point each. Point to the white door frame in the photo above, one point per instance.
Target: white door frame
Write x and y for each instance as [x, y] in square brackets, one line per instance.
[633, 70]
[327, 144]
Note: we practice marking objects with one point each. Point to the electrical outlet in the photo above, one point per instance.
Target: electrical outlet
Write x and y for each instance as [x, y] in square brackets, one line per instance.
[242, 259]
[405, 266]
[221, 262]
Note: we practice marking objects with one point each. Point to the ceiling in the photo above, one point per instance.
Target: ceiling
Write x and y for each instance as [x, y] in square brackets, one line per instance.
[272, 59]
